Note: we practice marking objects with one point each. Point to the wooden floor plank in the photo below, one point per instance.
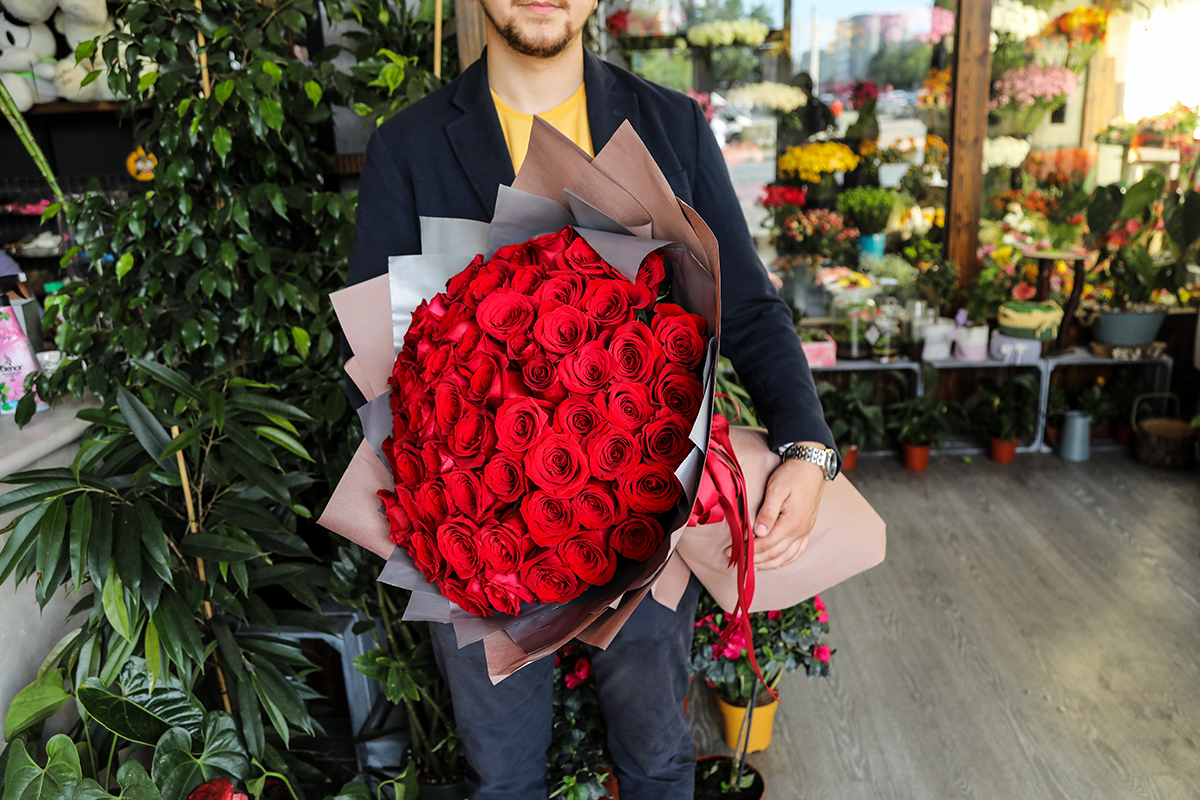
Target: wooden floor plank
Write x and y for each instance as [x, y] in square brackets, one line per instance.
[1034, 633]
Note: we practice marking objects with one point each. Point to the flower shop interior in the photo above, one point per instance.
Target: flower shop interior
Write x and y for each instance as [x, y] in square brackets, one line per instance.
[984, 215]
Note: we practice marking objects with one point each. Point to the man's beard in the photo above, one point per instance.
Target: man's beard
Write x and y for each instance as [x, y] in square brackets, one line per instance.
[540, 48]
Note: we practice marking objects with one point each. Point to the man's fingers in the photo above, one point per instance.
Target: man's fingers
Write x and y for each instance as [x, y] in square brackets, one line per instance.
[790, 552]
[772, 503]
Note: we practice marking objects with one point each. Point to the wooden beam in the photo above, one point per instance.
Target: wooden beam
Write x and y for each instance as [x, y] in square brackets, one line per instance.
[468, 25]
[968, 130]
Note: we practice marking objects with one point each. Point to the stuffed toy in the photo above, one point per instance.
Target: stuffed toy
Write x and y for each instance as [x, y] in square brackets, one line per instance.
[27, 63]
[86, 12]
[68, 78]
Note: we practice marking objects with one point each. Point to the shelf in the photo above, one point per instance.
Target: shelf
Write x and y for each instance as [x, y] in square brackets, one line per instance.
[73, 108]
[870, 365]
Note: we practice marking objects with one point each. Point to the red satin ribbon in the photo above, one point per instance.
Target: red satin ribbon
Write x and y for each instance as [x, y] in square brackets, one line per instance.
[722, 496]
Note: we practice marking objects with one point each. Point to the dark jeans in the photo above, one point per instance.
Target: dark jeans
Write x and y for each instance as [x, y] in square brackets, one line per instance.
[643, 680]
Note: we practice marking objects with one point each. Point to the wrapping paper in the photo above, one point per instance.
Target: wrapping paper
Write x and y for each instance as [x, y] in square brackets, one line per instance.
[623, 206]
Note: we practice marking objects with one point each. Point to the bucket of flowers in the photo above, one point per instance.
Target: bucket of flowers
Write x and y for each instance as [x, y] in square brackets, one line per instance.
[1025, 95]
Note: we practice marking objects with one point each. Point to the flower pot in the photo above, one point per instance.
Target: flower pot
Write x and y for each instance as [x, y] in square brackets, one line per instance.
[938, 337]
[916, 457]
[443, 791]
[1003, 450]
[971, 344]
[610, 783]
[1127, 328]
[1101, 431]
[850, 458]
[1051, 435]
[761, 725]
[1075, 444]
[871, 246]
[708, 780]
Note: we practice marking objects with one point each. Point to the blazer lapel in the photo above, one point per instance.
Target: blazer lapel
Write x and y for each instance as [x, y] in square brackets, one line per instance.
[476, 136]
[608, 106]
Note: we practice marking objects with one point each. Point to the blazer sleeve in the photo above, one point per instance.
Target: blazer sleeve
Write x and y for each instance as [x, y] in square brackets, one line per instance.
[756, 325]
[385, 225]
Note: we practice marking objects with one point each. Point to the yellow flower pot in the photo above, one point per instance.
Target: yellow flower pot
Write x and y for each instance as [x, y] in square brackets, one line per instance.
[761, 725]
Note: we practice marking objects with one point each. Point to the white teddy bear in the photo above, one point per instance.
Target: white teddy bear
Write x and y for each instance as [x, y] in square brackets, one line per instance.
[86, 12]
[69, 76]
[27, 64]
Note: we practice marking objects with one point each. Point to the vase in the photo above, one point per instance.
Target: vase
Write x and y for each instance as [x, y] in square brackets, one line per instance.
[761, 725]
[916, 457]
[853, 313]
[443, 791]
[871, 246]
[850, 458]
[971, 343]
[1003, 450]
[1076, 443]
[712, 771]
[938, 336]
[1127, 328]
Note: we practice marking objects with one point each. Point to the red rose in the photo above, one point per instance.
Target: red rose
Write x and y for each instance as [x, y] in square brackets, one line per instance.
[637, 537]
[649, 488]
[400, 526]
[589, 556]
[611, 452]
[665, 439]
[549, 248]
[588, 370]
[541, 376]
[447, 406]
[577, 417]
[561, 329]
[467, 594]
[422, 547]
[504, 474]
[486, 373]
[596, 508]
[557, 465]
[470, 343]
[638, 354]
[485, 283]
[562, 286]
[523, 347]
[436, 363]
[407, 468]
[466, 494]
[459, 283]
[680, 392]
[456, 541]
[430, 503]
[502, 545]
[473, 438]
[519, 254]
[505, 314]
[548, 519]
[550, 580]
[611, 304]
[652, 273]
[680, 334]
[581, 258]
[519, 423]
[436, 457]
[526, 280]
[629, 405]
[505, 592]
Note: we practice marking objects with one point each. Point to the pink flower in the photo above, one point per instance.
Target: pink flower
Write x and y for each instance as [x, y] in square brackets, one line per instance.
[583, 671]
[818, 603]
[1024, 291]
[822, 617]
[774, 615]
[822, 653]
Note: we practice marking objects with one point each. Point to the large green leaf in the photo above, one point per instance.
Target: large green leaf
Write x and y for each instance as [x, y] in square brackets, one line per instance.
[136, 783]
[267, 406]
[35, 704]
[34, 494]
[79, 535]
[25, 780]
[176, 771]
[1139, 196]
[138, 713]
[171, 378]
[20, 541]
[1181, 218]
[215, 547]
[50, 539]
[176, 624]
[154, 540]
[148, 430]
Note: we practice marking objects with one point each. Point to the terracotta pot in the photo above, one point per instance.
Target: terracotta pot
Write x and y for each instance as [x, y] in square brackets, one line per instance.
[761, 725]
[1004, 451]
[610, 783]
[1101, 431]
[1051, 434]
[708, 787]
[850, 458]
[1124, 434]
[916, 457]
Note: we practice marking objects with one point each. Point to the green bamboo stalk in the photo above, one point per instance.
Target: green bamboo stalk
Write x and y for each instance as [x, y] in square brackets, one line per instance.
[9, 107]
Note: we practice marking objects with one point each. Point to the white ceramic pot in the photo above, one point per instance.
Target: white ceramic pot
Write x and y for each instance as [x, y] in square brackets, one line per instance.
[971, 344]
[937, 336]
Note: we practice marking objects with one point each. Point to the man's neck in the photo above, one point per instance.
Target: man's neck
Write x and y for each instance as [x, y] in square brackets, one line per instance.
[532, 85]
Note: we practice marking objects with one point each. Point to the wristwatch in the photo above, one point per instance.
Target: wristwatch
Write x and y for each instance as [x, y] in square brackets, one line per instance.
[823, 457]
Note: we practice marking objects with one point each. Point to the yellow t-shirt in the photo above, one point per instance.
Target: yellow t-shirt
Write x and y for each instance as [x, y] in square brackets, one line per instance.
[570, 118]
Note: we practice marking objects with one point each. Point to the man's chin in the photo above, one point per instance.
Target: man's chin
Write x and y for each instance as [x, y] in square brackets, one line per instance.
[544, 45]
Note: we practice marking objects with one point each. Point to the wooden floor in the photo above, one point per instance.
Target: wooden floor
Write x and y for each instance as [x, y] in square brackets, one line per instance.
[1033, 633]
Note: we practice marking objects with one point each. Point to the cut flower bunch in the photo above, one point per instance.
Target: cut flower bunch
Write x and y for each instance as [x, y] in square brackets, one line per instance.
[809, 161]
[540, 408]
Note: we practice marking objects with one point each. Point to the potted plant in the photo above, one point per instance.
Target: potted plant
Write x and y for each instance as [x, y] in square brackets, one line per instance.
[1097, 402]
[814, 164]
[819, 348]
[869, 208]
[922, 423]
[812, 236]
[1005, 412]
[727, 778]
[577, 762]
[853, 419]
[1056, 406]
[784, 640]
[1023, 96]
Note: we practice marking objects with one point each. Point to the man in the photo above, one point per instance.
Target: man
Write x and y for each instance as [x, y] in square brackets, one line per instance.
[444, 157]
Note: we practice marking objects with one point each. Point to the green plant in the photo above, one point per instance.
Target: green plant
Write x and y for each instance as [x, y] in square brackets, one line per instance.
[732, 400]
[1005, 411]
[922, 420]
[784, 641]
[1056, 405]
[867, 207]
[894, 273]
[577, 760]
[1098, 402]
[1122, 226]
[853, 419]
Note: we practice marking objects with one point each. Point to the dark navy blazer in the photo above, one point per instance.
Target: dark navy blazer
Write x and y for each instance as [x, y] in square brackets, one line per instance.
[445, 155]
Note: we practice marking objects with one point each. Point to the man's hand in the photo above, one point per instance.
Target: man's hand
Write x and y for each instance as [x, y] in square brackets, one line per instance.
[788, 512]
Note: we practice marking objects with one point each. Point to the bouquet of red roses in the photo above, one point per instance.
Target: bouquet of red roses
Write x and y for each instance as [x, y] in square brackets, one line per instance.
[540, 407]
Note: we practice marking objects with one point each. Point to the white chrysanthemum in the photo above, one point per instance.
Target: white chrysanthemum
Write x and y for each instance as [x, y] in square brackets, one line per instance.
[722, 33]
[1018, 20]
[1004, 151]
[775, 96]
